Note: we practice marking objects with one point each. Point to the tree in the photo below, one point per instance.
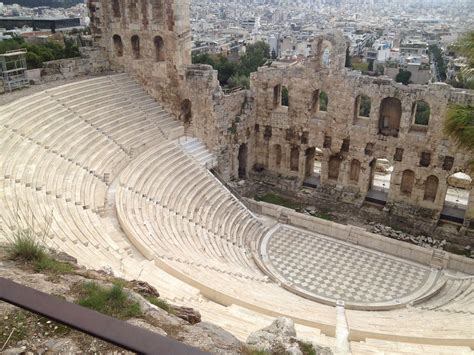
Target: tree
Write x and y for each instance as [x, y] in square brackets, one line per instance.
[403, 77]
[459, 121]
[464, 46]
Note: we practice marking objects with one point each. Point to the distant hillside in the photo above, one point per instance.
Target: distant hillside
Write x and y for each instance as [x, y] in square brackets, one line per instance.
[50, 3]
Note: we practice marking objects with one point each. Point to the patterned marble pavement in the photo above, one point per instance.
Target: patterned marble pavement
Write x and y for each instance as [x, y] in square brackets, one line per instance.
[339, 271]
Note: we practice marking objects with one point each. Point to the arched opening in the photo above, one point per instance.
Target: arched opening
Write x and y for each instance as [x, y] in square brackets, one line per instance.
[135, 47]
[379, 182]
[309, 162]
[362, 106]
[457, 197]
[355, 171]
[323, 101]
[285, 99]
[407, 183]
[277, 154]
[118, 45]
[159, 49]
[390, 116]
[431, 188]
[242, 161]
[186, 114]
[334, 164]
[313, 161]
[116, 8]
[294, 159]
[421, 112]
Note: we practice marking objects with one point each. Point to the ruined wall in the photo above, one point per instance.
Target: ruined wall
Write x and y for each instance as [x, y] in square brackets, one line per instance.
[289, 135]
[150, 39]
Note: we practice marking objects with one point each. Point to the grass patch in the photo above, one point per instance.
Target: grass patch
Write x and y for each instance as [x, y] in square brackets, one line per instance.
[278, 200]
[160, 303]
[24, 245]
[48, 264]
[112, 301]
[307, 348]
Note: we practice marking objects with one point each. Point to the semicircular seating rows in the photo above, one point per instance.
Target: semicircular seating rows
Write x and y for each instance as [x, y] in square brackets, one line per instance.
[75, 151]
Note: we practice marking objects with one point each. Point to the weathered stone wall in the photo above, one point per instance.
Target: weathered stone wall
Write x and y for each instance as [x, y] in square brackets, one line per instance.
[151, 40]
[350, 143]
[93, 61]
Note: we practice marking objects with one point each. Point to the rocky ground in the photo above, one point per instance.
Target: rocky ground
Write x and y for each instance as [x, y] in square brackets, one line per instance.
[24, 332]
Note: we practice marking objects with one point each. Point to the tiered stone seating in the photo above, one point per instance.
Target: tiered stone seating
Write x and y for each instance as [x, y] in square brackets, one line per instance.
[457, 295]
[61, 151]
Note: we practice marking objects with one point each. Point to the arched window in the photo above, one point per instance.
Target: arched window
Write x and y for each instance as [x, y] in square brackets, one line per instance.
[390, 116]
[431, 188]
[323, 101]
[362, 106]
[421, 112]
[408, 181]
[355, 170]
[242, 161]
[116, 8]
[135, 47]
[334, 165]
[118, 45]
[277, 152]
[159, 48]
[294, 159]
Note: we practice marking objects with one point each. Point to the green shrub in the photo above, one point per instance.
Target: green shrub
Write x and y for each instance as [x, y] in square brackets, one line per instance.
[112, 301]
[26, 238]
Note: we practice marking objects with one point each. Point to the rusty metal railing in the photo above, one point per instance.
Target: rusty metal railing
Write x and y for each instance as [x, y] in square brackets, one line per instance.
[112, 330]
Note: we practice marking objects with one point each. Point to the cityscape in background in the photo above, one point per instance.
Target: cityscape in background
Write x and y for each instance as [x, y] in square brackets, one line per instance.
[384, 37]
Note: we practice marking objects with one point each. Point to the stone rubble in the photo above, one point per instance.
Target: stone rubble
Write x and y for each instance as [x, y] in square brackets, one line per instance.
[420, 240]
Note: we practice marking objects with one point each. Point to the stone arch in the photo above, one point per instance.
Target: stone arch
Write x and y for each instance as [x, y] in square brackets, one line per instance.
[390, 116]
[421, 112]
[118, 45]
[159, 49]
[431, 188]
[408, 181]
[277, 154]
[355, 170]
[135, 40]
[243, 152]
[186, 114]
[362, 106]
[116, 8]
[334, 165]
[294, 159]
